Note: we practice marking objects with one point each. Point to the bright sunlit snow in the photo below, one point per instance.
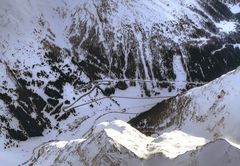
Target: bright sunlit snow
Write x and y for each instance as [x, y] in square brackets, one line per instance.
[226, 26]
[234, 8]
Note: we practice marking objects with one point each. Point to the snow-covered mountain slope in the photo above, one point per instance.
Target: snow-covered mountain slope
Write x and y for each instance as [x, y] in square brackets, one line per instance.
[53, 54]
[117, 143]
[210, 111]
[49, 55]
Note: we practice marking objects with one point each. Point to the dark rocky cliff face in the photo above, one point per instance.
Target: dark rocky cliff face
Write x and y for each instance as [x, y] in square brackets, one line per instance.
[99, 49]
[161, 116]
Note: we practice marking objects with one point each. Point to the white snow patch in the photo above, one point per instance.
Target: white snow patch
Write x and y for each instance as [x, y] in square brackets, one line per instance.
[234, 8]
[176, 142]
[226, 26]
[236, 45]
[181, 75]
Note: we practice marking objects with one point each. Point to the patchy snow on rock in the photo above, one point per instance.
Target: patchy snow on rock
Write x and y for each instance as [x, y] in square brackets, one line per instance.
[210, 111]
[215, 108]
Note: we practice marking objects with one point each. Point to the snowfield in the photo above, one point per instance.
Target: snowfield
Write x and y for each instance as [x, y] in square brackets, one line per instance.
[227, 27]
[212, 140]
[73, 73]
